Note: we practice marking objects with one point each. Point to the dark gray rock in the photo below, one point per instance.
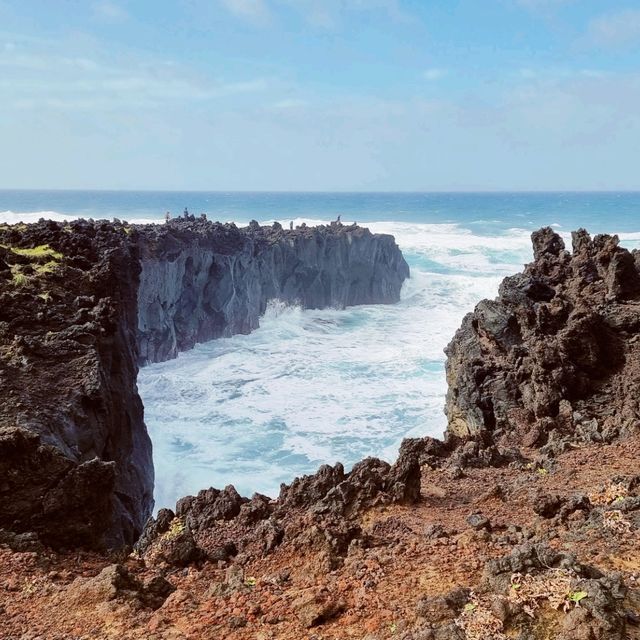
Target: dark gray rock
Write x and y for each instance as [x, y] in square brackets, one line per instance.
[203, 280]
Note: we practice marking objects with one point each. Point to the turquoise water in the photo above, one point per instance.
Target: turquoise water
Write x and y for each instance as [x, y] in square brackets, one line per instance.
[311, 387]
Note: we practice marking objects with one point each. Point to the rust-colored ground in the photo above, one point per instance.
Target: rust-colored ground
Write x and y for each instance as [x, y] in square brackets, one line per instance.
[412, 553]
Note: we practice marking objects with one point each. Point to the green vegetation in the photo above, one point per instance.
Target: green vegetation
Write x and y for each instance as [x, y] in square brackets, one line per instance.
[42, 251]
[577, 596]
[42, 261]
[19, 279]
[176, 528]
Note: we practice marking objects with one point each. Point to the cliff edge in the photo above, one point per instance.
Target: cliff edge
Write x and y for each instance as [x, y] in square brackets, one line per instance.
[82, 304]
[203, 280]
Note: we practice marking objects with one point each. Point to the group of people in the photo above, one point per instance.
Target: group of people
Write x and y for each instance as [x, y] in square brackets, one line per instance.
[185, 214]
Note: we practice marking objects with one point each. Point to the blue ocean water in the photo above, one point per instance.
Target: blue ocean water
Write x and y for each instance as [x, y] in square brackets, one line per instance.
[313, 387]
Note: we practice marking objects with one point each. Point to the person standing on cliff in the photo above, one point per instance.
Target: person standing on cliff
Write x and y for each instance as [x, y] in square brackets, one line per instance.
[186, 212]
[167, 216]
[291, 226]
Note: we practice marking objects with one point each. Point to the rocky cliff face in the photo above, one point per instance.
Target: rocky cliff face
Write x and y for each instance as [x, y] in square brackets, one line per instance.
[201, 281]
[556, 356]
[81, 304]
[75, 458]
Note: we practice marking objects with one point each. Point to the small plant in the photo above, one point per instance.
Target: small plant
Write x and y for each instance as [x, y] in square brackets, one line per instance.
[553, 586]
[478, 621]
[250, 582]
[613, 493]
[577, 596]
[29, 587]
[48, 267]
[616, 522]
[176, 528]
[19, 279]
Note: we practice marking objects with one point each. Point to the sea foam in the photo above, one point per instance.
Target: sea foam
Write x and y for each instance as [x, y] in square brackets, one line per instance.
[312, 387]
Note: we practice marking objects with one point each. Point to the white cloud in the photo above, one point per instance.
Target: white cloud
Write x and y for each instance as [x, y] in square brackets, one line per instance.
[109, 11]
[256, 11]
[43, 77]
[434, 74]
[322, 14]
[616, 29]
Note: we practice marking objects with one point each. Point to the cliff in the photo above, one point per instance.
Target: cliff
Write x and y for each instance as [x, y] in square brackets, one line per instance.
[83, 303]
[201, 281]
[75, 458]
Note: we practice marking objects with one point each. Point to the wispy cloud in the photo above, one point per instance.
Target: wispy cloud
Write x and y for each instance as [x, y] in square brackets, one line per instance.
[616, 29]
[255, 11]
[322, 14]
[434, 74]
[110, 11]
[45, 78]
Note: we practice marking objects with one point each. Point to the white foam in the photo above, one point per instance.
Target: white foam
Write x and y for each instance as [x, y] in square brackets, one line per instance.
[313, 387]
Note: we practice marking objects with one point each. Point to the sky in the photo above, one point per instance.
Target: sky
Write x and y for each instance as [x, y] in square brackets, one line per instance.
[320, 95]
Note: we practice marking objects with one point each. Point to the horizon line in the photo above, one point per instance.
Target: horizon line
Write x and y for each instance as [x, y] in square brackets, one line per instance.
[321, 192]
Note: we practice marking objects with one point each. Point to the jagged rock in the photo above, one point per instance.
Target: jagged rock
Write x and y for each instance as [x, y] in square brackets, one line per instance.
[533, 361]
[115, 582]
[168, 540]
[27, 541]
[479, 521]
[210, 505]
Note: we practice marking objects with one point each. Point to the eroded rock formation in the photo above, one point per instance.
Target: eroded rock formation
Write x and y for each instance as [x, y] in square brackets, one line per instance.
[556, 357]
[201, 281]
[82, 303]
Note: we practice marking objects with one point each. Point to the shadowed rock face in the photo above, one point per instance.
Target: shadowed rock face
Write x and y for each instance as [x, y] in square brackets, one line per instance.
[556, 355]
[83, 303]
[75, 457]
[201, 281]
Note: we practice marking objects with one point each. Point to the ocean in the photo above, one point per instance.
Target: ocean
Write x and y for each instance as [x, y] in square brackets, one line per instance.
[314, 387]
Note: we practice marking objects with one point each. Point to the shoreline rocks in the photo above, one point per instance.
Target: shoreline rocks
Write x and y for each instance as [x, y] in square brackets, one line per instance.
[84, 303]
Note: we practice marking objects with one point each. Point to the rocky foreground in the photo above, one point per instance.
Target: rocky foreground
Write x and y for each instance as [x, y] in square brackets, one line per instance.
[523, 523]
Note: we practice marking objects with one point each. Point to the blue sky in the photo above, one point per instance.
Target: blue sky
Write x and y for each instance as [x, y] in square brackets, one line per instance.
[320, 94]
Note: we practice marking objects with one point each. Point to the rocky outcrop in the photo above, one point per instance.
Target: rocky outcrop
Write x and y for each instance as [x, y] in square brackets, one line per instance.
[556, 357]
[203, 280]
[83, 303]
[75, 458]
[225, 525]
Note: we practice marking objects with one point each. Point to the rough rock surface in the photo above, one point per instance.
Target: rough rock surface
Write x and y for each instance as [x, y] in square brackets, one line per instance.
[556, 357]
[202, 280]
[75, 458]
[83, 303]
[488, 535]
